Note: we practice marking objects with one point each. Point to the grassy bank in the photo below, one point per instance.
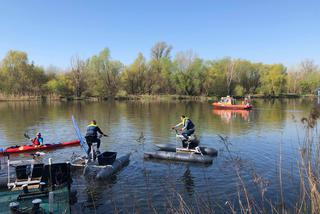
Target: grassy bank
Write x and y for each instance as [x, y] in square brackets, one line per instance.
[127, 97]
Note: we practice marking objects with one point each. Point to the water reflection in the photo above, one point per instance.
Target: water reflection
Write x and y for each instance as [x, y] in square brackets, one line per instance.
[255, 135]
[90, 192]
[188, 181]
[132, 118]
[228, 115]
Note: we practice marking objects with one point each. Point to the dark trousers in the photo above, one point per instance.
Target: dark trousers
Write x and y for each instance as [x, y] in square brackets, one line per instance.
[187, 133]
[91, 140]
[193, 144]
[185, 142]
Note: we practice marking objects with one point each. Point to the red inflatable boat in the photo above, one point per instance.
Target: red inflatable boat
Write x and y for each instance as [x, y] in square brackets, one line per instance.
[219, 105]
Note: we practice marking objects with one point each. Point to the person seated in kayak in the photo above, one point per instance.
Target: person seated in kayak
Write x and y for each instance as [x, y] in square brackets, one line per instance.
[92, 135]
[187, 130]
[38, 140]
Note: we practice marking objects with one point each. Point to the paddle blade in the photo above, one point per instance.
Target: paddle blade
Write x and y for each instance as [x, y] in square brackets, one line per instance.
[40, 153]
[26, 135]
[37, 154]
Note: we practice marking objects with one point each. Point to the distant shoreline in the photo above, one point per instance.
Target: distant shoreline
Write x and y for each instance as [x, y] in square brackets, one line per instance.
[143, 98]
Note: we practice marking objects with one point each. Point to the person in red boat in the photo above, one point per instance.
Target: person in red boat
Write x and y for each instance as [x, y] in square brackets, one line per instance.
[38, 140]
[246, 101]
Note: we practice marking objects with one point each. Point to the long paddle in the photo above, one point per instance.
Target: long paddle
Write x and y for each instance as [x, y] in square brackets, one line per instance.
[76, 128]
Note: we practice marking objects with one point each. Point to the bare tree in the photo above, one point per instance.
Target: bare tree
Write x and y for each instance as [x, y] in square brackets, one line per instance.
[231, 74]
[159, 82]
[77, 68]
[308, 66]
[294, 77]
[111, 71]
[160, 50]
[185, 59]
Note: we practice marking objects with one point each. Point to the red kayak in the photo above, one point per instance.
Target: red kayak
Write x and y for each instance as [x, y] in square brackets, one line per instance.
[28, 148]
[219, 105]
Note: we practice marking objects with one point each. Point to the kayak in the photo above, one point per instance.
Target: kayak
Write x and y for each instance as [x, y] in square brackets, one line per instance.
[186, 157]
[172, 148]
[230, 106]
[28, 148]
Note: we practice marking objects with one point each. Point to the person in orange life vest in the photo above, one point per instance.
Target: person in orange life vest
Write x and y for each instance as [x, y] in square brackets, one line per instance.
[38, 140]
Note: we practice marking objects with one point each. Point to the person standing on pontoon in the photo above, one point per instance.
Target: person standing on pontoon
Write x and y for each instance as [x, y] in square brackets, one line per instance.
[92, 135]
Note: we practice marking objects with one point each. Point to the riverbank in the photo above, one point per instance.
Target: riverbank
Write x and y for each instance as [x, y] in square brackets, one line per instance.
[143, 97]
[127, 97]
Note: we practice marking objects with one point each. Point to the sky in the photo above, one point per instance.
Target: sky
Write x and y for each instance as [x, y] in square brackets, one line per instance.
[268, 31]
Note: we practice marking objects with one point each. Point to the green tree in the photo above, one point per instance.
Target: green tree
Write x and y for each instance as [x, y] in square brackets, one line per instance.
[2, 81]
[37, 80]
[60, 85]
[209, 78]
[273, 79]
[103, 75]
[15, 71]
[309, 82]
[19, 77]
[249, 76]
[134, 76]
[188, 68]
[215, 82]
[310, 77]
[158, 80]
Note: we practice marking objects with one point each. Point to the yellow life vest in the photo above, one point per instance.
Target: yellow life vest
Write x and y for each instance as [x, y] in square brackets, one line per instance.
[183, 120]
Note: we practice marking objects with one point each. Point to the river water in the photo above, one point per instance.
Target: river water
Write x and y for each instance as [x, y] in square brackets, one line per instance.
[263, 144]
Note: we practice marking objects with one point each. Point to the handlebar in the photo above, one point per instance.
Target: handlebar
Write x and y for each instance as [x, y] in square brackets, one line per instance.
[103, 135]
[177, 130]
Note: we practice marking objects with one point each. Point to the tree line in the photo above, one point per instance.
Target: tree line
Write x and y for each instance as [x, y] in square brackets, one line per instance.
[183, 74]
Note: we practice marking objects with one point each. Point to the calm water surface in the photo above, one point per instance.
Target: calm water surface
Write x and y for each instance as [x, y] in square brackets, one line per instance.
[258, 139]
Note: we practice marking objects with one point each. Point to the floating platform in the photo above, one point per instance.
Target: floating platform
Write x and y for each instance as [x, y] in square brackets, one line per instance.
[94, 170]
[172, 148]
[185, 157]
